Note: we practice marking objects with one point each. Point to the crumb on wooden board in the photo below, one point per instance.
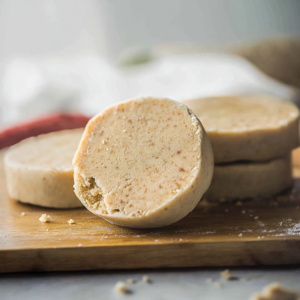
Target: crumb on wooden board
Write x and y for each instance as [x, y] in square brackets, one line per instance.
[45, 218]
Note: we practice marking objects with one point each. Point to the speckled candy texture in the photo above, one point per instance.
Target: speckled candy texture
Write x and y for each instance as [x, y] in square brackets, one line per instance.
[143, 163]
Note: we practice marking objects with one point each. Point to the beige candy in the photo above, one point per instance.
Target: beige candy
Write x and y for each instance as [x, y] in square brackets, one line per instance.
[39, 169]
[143, 163]
[275, 291]
[252, 128]
[250, 180]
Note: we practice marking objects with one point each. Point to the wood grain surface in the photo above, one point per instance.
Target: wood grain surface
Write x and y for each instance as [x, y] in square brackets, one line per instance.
[224, 234]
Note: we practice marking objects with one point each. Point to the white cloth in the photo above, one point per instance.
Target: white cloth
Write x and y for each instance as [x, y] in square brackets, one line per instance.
[90, 83]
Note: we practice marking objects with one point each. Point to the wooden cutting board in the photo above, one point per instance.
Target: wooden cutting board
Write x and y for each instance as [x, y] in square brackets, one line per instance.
[212, 235]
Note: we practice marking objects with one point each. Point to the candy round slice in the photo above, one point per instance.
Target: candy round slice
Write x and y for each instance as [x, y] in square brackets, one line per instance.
[250, 180]
[143, 163]
[255, 128]
[39, 169]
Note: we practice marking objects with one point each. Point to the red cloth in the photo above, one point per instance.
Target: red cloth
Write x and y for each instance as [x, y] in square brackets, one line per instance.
[45, 124]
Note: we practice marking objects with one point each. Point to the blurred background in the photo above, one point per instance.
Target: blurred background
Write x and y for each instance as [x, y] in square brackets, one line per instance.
[72, 55]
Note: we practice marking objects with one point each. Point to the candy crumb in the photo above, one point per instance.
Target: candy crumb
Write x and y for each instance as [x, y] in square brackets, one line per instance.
[45, 218]
[146, 279]
[130, 281]
[121, 287]
[226, 274]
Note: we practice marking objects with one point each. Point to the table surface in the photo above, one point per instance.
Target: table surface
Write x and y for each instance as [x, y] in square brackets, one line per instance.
[171, 284]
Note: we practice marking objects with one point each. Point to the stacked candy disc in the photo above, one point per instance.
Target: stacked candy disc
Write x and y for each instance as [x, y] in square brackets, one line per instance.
[252, 138]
